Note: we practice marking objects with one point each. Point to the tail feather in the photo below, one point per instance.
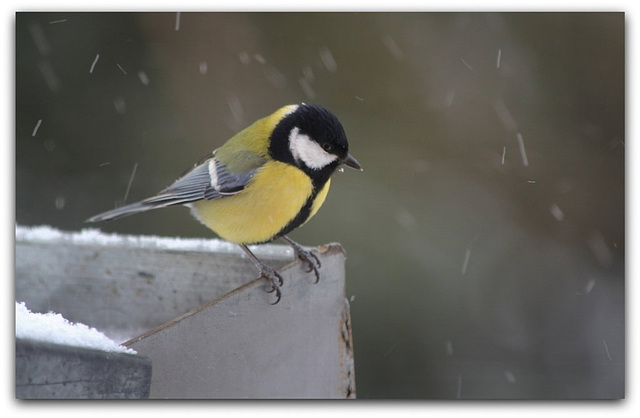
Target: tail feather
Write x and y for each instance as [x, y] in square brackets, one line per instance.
[131, 209]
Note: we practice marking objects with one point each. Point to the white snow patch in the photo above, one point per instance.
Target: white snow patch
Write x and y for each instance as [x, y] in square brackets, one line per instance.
[53, 328]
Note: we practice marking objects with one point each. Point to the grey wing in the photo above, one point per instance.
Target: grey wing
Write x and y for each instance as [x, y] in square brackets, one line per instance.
[208, 180]
[225, 183]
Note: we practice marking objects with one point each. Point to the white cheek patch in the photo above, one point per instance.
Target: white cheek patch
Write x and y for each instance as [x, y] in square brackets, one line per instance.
[308, 151]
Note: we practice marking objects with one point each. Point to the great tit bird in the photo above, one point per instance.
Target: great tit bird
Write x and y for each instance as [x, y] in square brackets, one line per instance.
[264, 182]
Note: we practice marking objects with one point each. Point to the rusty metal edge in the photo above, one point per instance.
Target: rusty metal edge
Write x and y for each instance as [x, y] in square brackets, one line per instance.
[348, 363]
[328, 249]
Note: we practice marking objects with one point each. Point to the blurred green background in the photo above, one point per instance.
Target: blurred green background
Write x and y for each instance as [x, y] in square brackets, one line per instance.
[486, 236]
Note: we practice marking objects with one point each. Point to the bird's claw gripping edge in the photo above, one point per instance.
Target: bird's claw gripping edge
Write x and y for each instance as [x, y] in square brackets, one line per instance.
[266, 272]
[313, 263]
[275, 279]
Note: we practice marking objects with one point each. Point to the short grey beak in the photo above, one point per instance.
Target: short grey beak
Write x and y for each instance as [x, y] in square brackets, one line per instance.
[352, 162]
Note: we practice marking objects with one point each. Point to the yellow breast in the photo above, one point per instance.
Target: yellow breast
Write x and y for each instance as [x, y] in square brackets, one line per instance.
[274, 197]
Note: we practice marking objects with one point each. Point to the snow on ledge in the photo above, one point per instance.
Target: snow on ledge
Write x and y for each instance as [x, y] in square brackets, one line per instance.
[53, 328]
[92, 236]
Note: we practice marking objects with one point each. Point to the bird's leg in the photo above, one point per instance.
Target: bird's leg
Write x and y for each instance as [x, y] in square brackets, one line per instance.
[266, 272]
[306, 256]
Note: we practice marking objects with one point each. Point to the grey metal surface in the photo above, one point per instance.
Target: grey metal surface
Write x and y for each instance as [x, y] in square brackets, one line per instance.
[52, 371]
[125, 285]
[221, 338]
[238, 346]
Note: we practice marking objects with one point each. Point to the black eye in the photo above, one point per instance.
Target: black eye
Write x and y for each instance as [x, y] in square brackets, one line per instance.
[327, 147]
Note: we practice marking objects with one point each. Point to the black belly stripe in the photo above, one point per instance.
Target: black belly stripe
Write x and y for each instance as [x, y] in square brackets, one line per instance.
[319, 179]
[300, 218]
